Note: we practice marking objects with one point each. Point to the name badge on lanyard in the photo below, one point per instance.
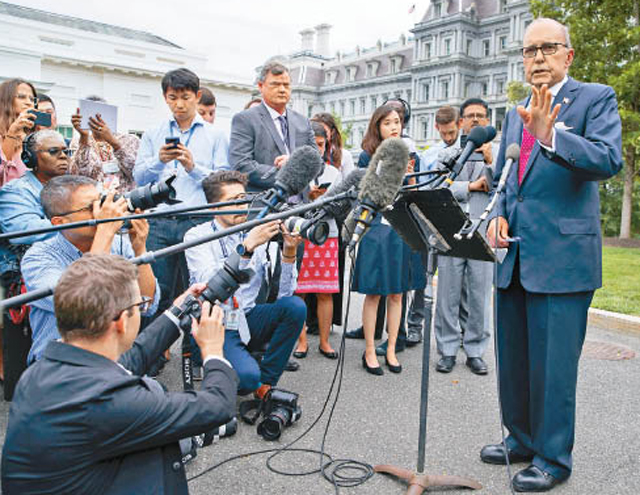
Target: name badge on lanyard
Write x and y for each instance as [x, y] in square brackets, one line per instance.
[232, 315]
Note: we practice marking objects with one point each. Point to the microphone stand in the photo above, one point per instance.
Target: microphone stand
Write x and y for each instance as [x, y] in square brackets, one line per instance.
[183, 246]
[93, 222]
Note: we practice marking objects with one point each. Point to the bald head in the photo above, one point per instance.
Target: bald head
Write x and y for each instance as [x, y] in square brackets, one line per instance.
[547, 53]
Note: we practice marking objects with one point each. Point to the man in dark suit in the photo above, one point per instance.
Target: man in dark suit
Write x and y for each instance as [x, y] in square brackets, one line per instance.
[263, 137]
[549, 217]
[84, 419]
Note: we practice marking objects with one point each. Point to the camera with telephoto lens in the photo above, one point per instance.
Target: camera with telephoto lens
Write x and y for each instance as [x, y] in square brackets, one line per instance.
[219, 288]
[314, 230]
[280, 409]
[148, 196]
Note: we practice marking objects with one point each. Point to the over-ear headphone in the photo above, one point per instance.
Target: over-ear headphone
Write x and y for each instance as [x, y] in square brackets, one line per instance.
[407, 108]
[28, 155]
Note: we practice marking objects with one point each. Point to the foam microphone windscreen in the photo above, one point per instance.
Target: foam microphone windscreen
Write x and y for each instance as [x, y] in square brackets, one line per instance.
[341, 208]
[304, 165]
[348, 227]
[513, 152]
[384, 175]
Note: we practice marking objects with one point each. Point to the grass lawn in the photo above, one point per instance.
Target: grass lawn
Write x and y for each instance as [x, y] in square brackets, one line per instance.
[620, 281]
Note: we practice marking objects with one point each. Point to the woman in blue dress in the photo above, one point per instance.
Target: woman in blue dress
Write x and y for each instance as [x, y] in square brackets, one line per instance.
[385, 265]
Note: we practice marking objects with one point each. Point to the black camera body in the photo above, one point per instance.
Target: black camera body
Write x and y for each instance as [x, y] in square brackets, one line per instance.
[149, 196]
[280, 410]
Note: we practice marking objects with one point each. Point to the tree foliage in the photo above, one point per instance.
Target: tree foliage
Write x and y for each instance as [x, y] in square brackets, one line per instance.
[606, 38]
[516, 92]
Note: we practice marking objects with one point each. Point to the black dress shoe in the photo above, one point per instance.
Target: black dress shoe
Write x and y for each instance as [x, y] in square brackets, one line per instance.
[292, 366]
[356, 333]
[414, 337]
[378, 371]
[393, 368]
[446, 364]
[381, 350]
[494, 454]
[300, 354]
[328, 354]
[534, 479]
[477, 365]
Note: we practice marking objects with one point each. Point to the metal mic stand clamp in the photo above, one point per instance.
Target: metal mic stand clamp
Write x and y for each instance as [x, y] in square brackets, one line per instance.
[428, 221]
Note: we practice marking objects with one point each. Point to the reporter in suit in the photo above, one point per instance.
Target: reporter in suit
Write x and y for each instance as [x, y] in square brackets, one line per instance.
[570, 138]
[84, 419]
[263, 137]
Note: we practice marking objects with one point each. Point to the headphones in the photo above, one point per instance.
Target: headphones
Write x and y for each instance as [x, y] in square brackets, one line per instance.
[407, 108]
[28, 156]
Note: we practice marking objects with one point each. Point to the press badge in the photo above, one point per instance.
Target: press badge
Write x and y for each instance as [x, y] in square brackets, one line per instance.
[232, 316]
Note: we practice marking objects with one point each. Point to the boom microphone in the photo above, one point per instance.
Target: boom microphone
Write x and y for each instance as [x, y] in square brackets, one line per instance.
[380, 184]
[476, 138]
[340, 209]
[304, 165]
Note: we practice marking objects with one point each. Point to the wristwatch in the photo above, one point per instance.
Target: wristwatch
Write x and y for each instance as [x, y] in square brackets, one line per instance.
[242, 250]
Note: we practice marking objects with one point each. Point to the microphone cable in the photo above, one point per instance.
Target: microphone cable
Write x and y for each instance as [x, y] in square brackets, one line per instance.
[341, 473]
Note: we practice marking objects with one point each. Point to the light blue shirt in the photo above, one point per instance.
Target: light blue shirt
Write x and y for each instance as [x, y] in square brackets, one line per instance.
[42, 266]
[20, 209]
[429, 158]
[207, 259]
[210, 150]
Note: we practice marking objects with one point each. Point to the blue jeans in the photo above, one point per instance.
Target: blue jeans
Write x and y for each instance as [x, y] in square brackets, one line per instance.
[278, 325]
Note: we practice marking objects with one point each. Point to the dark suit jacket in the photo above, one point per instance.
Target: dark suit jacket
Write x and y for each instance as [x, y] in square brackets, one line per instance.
[255, 143]
[556, 209]
[80, 423]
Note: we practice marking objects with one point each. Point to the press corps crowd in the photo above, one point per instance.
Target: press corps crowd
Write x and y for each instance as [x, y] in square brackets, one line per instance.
[90, 349]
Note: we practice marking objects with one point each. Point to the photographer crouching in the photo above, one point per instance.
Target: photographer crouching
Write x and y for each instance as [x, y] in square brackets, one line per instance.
[84, 419]
[251, 325]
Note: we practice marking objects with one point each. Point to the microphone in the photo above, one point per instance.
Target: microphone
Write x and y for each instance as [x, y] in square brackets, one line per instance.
[512, 155]
[380, 184]
[339, 209]
[476, 138]
[304, 165]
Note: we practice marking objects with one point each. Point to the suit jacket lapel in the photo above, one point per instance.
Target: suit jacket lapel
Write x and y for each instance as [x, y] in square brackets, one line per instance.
[292, 132]
[268, 123]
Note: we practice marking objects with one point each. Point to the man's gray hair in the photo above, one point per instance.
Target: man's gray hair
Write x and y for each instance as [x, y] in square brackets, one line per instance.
[55, 196]
[544, 20]
[275, 68]
[40, 136]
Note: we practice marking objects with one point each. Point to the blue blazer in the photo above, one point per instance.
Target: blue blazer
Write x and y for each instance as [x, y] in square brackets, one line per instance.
[556, 210]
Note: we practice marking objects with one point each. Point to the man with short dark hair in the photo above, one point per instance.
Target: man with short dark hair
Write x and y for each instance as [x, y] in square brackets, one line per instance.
[263, 137]
[74, 198]
[277, 324]
[463, 305]
[84, 418]
[200, 150]
[207, 105]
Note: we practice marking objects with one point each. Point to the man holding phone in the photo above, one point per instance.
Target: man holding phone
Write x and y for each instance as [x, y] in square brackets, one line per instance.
[190, 148]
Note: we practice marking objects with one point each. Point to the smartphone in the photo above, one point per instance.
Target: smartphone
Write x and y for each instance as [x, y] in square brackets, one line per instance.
[324, 185]
[42, 118]
[173, 141]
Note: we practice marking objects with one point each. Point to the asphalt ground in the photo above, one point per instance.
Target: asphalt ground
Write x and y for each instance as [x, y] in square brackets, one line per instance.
[376, 422]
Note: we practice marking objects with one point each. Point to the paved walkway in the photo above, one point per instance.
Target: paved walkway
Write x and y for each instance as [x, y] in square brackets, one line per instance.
[376, 421]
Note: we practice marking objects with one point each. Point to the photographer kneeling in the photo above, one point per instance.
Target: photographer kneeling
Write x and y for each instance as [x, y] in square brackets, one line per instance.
[84, 419]
[277, 324]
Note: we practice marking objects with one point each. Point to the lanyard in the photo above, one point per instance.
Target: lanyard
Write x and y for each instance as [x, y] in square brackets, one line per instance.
[187, 141]
[222, 241]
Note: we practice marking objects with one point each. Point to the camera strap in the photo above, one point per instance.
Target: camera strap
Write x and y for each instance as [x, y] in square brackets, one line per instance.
[246, 408]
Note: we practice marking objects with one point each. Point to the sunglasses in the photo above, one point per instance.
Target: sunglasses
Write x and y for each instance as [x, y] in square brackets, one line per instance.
[56, 151]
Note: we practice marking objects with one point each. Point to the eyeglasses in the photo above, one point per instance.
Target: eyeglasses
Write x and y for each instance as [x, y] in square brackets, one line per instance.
[88, 207]
[474, 116]
[145, 304]
[545, 48]
[56, 151]
[32, 99]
